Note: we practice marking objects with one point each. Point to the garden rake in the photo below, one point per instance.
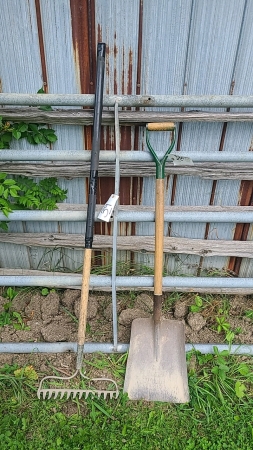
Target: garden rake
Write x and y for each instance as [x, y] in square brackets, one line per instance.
[56, 391]
[156, 365]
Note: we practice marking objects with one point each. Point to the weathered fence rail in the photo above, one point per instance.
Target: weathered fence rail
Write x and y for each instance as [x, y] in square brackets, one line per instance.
[76, 169]
[174, 245]
[85, 117]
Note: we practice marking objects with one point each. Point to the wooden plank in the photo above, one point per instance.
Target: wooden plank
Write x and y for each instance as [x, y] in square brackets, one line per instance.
[23, 272]
[69, 170]
[199, 247]
[85, 117]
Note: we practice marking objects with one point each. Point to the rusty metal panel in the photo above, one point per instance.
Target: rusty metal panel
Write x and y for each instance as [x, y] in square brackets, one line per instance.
[237, 138]
[19, 44]
[15, 256]
[164, 51]
[153, 47]
[242, 134]
[61, 74]
[118, 24]
[21, 73]
[209, 70]
[246, 267]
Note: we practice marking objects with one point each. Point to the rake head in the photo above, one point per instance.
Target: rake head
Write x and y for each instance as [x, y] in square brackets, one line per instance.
[59, 392]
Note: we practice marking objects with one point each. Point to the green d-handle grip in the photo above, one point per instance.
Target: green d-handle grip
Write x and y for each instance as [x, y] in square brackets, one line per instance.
[160, 163]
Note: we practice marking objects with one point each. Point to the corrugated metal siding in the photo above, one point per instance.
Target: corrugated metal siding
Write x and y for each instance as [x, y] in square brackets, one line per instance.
[63, 76]
[165, 44]
[153, 47]
[209, 69]
[238, 136]
[117, 25]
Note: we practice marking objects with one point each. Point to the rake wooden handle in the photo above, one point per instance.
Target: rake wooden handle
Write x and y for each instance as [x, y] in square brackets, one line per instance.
[83, 306]
[163, 126]
[84, 296]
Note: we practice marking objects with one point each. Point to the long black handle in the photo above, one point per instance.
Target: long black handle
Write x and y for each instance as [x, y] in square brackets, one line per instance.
[98, 107]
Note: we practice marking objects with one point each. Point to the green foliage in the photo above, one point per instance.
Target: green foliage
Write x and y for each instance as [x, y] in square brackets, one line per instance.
[26, 372]
[219, 415]
[198, 304]
[230, 335]
[24, 193]
[14, 318]
[34, 133]
[10, 293]
[221, 320]
[16, 383]
[45, 107]
[219, 378]
[9, 317]
[240, 389]
[249, 314]
[46, 291]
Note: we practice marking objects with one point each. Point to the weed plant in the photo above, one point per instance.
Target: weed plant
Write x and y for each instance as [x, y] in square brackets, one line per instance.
[219, 415]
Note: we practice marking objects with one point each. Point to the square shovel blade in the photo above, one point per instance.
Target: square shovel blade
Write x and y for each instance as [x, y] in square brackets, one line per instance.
[157, 376]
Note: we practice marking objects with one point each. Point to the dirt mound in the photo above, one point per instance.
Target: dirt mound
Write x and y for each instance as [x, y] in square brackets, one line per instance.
[54, 317]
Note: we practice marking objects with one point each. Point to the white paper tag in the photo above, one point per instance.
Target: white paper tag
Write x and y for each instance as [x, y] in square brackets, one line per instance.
[181, 160]
[107, 210]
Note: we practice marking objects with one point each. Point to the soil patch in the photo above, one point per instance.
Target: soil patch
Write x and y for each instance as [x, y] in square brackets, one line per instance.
[54, 318]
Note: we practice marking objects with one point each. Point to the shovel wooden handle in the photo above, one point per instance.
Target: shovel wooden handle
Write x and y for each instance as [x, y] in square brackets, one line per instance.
[159, 231]
[159, 219]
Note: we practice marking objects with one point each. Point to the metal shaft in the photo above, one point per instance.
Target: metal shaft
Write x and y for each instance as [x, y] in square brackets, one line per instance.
[179, 101]
[91, 202]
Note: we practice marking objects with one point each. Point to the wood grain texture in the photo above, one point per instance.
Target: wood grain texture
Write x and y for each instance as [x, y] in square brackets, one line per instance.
[173, 245]
[159, 237]
[84, 296]
[76, 169]
[85, 117]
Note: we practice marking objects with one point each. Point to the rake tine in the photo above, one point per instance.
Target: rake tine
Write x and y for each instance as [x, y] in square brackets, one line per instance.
[47, 394]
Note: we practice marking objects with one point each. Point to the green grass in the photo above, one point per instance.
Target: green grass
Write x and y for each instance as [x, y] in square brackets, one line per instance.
[219, 415]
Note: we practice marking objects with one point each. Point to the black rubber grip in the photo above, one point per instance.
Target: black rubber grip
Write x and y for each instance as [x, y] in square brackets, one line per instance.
[97, 121]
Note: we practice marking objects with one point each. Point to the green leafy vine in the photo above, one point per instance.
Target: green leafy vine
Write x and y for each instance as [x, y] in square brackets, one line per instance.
[22, 192]
[34, 133]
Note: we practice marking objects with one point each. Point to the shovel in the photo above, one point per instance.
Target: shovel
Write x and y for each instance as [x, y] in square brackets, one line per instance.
[156, 366]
